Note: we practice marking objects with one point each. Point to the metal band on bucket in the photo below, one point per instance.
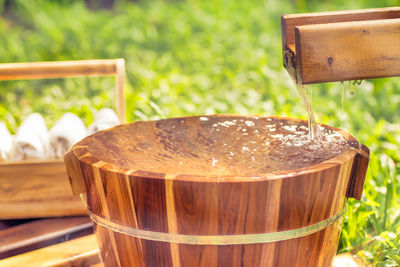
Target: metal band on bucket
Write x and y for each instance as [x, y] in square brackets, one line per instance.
[216, 239]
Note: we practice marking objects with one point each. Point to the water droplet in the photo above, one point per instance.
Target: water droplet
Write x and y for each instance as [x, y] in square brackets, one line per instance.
[352, 87]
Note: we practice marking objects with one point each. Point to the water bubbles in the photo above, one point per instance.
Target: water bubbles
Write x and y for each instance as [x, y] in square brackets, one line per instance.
[234, 146]
[270, 127]
[353, 86]
[290, 128]
[224, 124]
[249, 123]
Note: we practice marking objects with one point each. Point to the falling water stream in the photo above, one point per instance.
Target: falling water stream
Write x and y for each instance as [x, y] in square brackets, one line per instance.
[305, 92]
[343, 89]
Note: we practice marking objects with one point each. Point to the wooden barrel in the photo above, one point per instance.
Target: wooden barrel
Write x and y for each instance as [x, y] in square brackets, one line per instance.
[159, 197]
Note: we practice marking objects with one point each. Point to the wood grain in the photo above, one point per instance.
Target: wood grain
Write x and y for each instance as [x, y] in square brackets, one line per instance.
[359, 172]
[36, 189]
[348, 50]
[290, 21]
[57, 69]
[343, 45]
[209, 205]
[40, 233]
[80, 252]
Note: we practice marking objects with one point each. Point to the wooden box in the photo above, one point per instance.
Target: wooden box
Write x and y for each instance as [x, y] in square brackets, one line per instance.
[30, 189]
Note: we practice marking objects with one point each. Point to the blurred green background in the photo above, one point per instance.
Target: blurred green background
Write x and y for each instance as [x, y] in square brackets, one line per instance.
[203, 57]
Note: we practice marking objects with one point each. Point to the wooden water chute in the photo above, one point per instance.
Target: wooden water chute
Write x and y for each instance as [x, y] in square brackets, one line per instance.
[342, 45]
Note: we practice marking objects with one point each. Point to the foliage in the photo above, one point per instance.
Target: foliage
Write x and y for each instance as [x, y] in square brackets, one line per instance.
[201, 57]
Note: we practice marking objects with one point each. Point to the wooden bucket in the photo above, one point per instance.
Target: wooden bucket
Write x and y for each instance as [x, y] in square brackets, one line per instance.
[177, 217]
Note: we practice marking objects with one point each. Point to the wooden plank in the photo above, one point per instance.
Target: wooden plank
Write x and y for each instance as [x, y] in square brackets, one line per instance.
[289, 22]
[348, 50]
[57, 69]
[82, 251]
[41, 233]
[37, 189]
[5, 224]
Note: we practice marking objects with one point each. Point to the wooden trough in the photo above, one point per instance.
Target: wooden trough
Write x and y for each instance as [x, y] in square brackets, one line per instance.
[185, 214]
[31, 189]
[342, 45]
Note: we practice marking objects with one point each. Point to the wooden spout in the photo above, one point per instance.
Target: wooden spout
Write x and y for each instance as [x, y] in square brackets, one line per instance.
[358, 173]
[343, 45]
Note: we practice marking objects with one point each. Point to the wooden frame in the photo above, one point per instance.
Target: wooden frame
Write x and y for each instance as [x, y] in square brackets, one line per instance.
[343, 45]
[41, 188]
[75, 68]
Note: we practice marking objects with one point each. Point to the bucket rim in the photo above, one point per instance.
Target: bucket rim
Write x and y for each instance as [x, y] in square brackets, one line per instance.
[82, 154]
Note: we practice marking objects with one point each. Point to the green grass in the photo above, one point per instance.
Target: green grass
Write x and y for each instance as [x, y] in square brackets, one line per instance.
[202, 57]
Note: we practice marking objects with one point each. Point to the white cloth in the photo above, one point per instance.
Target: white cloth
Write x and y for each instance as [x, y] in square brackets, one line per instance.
[6, 143]
[105, 118]
[66, 132]
[32, 139]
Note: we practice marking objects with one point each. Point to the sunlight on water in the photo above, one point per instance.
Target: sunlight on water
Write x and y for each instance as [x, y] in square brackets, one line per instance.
[225, 145]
